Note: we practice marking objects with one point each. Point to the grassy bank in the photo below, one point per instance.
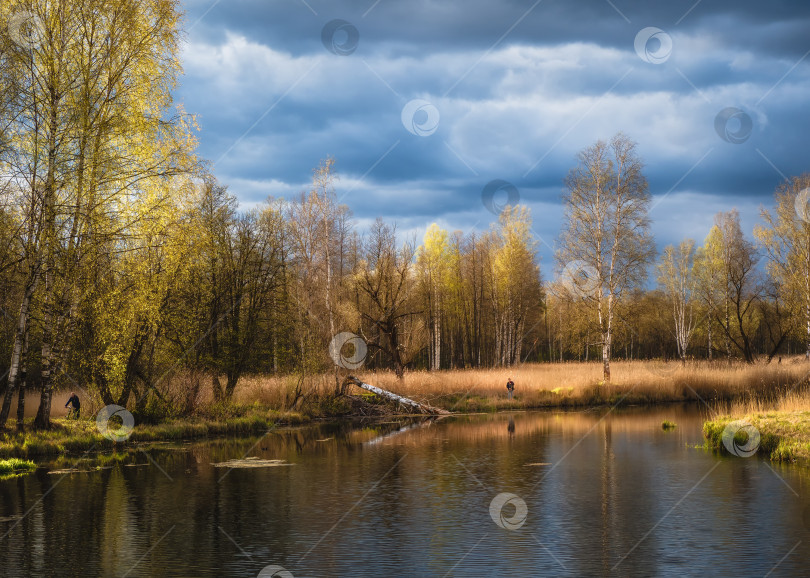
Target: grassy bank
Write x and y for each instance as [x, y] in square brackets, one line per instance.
[783, 426]
[262, 402]
[76, 437]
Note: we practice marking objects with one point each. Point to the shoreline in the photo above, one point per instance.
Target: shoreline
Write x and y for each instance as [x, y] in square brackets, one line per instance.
[69, 437]
[784, 436]
[570, 386]
[73, 438]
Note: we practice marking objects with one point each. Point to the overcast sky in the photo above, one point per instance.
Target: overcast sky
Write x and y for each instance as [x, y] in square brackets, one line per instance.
[424, 103]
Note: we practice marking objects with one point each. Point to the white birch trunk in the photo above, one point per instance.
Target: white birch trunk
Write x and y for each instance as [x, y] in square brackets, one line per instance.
[420, 407]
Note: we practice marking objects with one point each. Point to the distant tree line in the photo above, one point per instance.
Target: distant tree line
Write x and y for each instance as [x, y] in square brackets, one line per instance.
[728, 298]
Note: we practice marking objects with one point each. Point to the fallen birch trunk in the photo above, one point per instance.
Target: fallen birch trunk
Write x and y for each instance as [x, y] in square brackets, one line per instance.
[420, 407]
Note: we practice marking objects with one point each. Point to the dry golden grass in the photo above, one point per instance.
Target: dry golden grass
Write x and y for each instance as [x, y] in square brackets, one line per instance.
[790, 402]
[559, 384]
[281, 391]
[783, 424]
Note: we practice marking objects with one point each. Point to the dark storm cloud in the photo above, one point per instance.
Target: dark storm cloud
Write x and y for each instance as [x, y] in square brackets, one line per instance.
[416, 27]
[519, 87]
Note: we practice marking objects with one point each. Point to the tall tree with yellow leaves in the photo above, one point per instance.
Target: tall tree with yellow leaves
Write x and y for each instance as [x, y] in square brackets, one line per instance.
[93, 127]
[515, 285]
[432, 261]
[786, 240]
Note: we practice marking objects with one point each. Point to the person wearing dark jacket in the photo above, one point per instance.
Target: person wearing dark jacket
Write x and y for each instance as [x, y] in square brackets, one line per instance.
[73, 400]
[510, 388]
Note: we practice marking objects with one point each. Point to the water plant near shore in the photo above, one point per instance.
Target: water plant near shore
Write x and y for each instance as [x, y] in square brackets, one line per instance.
[15, 466]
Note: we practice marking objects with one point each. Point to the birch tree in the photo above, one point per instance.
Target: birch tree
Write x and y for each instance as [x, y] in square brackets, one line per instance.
[606, 227]
[432, 261]
[320, 233]
[516, 287]
[93, 122]
[676, 278]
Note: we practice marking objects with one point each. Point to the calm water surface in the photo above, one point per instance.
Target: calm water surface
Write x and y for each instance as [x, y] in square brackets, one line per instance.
[605, 493]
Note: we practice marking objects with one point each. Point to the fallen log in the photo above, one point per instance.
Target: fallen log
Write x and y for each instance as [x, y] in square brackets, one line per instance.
[404, 401]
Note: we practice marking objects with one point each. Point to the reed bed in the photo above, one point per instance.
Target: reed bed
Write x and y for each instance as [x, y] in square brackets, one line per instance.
[560, 385]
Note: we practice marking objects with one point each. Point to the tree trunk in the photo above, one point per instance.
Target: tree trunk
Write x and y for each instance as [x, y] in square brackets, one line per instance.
[17, 351]
[328, 297]
[23, 376]
[216, 386]
[437, 343]
[43, 419]
[399, 368]
[230, 385]
[607, 336]
[807, 315]
[420, 407]
[727, 332]
[710, 336]
[807, 299]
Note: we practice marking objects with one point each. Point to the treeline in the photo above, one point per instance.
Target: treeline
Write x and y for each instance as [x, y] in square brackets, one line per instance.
[91, 145]
[128, 272]
[192, 287]
[126, 268]
[731, 297]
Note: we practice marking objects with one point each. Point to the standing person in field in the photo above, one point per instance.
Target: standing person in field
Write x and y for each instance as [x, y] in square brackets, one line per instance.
[510, 387]
[77, 405]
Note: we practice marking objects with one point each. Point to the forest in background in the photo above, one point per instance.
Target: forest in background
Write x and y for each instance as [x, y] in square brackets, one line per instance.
[126, 269]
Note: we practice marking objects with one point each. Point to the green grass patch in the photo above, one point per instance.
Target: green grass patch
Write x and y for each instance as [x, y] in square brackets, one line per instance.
[783, 436]
[80, 436]
[667, 425]
[16, 466]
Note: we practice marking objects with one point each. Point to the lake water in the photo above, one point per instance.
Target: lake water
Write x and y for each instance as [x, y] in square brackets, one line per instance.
[523, 494]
